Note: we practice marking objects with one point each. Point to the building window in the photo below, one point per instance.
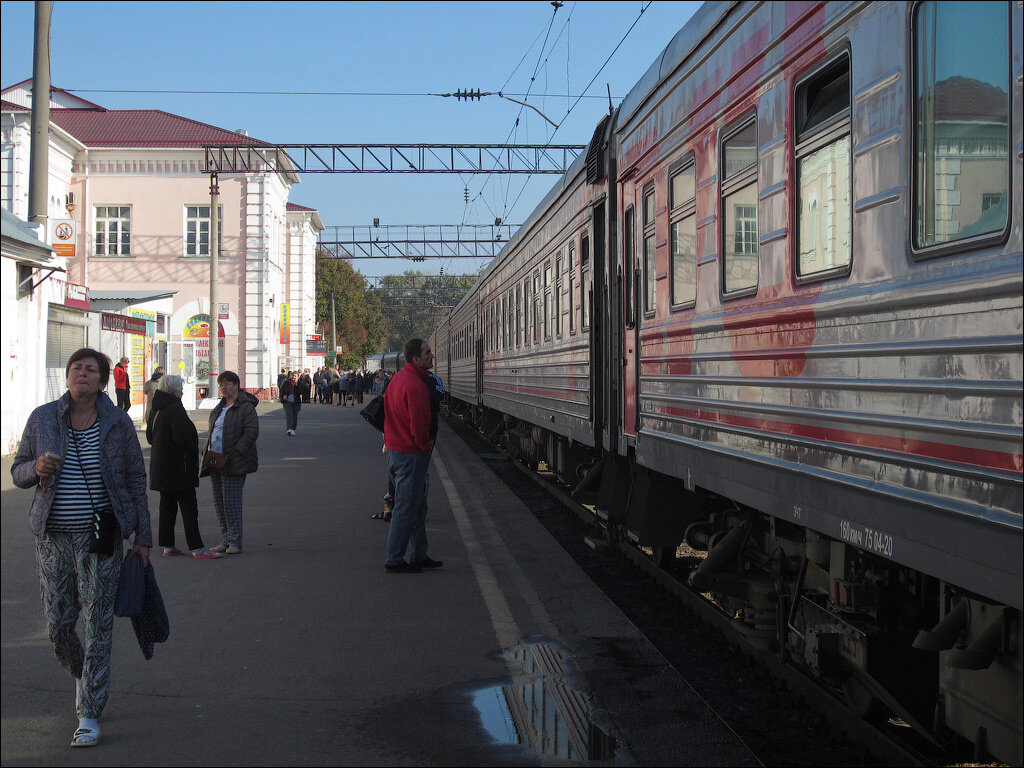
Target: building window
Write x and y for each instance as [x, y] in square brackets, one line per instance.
[650, 252]
[739, 206]
[197, 230]
[113, 230]
[824, 161]
[961, 121]
[683, 234]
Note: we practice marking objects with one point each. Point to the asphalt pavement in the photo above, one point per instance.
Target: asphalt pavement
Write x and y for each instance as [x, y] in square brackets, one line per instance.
[303, 651]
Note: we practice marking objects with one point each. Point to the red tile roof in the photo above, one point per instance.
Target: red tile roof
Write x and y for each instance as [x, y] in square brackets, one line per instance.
[10, 106]
[297, 207]
[142, 128]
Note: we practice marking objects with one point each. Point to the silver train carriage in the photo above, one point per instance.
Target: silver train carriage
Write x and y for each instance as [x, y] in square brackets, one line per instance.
[794, 340]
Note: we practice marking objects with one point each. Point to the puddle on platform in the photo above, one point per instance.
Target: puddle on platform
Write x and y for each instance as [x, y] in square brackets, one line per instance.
[542, 710]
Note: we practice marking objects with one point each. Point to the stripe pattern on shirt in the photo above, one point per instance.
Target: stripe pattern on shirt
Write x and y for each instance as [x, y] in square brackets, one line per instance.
[71, 510]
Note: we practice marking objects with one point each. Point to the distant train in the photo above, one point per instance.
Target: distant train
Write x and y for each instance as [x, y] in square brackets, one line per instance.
[777, 304]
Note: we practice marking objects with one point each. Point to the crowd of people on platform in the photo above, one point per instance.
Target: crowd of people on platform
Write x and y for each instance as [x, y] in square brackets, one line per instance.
[82, 455]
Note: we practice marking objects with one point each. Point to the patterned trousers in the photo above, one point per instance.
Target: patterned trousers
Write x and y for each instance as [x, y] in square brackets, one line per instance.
[227, 500]
[73, 581]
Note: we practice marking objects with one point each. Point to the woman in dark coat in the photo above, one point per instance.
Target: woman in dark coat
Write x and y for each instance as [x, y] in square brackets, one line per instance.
[234, 429]
[174, 467]
[291, 399]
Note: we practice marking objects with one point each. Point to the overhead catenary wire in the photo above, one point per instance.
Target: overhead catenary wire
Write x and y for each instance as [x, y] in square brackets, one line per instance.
[575, 103]
[372, 94]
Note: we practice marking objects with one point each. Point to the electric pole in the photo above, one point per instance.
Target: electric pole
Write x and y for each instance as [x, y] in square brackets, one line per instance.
[39, 157]
[214, 310]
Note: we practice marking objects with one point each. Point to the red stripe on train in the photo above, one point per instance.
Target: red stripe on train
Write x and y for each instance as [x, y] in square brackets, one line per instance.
[998, 460]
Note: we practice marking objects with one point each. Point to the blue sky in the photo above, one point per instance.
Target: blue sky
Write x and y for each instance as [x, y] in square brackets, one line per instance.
[99, 50]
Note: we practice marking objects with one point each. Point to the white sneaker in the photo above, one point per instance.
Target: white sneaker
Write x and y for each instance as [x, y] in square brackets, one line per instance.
[291, 432]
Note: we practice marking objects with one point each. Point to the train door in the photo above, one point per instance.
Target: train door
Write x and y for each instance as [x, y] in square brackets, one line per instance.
[598, 378]
[631, 277]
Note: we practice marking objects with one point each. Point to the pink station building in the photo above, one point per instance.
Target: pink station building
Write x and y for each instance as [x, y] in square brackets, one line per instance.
[124, 265]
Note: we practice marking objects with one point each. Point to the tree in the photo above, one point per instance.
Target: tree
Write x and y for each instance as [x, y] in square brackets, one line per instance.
[361, 330]
[414, 303]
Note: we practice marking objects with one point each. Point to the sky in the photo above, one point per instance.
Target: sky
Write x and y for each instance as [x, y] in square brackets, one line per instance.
[377, 61]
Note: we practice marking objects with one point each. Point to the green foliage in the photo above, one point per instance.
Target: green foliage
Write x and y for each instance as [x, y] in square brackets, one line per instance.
[361, 328]
[414, 303]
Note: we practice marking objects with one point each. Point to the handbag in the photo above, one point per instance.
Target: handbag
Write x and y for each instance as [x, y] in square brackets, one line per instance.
[374, 413]
[216, 462]
[104, 524]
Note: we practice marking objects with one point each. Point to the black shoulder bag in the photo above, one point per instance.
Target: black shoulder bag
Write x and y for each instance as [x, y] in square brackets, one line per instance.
[104, 521]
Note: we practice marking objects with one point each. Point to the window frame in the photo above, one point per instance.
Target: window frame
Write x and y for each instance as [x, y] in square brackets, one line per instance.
[557, 297]
[96, 230]
[970, 244]
[585, 272]
[678, 213]
[628, 253]
[199, 219]
[748, 176]
[815, 139]
[649, 232]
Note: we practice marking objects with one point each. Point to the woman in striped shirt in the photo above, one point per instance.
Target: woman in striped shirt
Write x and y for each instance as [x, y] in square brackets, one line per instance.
[81, 453]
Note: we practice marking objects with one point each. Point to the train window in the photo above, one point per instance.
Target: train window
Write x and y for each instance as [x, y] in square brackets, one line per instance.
[558, 296]
[961, 104]
[683, 234]
[585, 283]
[538, 297]
[739, 206]
[519, 317]
[824, 161]
[527, 306]
[627, 267]
[548, 320]
[650, 241]
[572, 290]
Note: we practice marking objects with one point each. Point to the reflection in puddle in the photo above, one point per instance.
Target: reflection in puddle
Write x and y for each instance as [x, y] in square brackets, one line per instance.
[541, 710]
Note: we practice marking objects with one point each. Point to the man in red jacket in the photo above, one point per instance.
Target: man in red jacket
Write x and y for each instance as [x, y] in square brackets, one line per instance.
[407, 439]
[122, 385]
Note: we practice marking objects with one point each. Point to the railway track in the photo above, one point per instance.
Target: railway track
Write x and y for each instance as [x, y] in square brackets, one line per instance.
[784, 716]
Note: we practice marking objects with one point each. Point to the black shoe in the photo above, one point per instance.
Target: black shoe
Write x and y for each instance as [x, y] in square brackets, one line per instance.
[402, 567]
[426, 562]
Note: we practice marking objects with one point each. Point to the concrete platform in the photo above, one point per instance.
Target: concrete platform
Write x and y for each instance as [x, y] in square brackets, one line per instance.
[303, 651]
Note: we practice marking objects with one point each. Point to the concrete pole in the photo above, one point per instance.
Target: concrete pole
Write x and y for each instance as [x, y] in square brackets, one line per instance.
[214, 310]
[39, 157]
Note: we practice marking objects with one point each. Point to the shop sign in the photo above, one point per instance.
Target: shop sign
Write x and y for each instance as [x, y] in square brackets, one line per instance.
[122, 324]
[76, 296]
[316, 347]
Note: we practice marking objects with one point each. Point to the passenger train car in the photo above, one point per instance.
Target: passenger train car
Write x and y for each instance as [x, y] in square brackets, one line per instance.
[777, 305]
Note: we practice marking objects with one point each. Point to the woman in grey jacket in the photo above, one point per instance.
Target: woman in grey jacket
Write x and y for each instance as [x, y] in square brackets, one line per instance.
[234, 428]
[82, 455]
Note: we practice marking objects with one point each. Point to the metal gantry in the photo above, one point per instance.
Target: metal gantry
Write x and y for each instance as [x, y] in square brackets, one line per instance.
[391, 158]
[416, 241]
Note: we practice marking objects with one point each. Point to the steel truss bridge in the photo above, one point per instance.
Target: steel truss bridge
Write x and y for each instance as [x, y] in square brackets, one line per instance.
[415, 242]
[391, 158]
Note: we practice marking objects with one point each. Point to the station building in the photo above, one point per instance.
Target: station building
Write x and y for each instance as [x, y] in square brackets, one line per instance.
[128, 263]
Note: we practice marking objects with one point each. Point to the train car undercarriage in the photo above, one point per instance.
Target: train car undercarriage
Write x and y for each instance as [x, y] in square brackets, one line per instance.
[887, 640]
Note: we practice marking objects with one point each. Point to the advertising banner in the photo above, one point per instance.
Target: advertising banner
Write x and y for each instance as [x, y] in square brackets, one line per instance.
[286, 330]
